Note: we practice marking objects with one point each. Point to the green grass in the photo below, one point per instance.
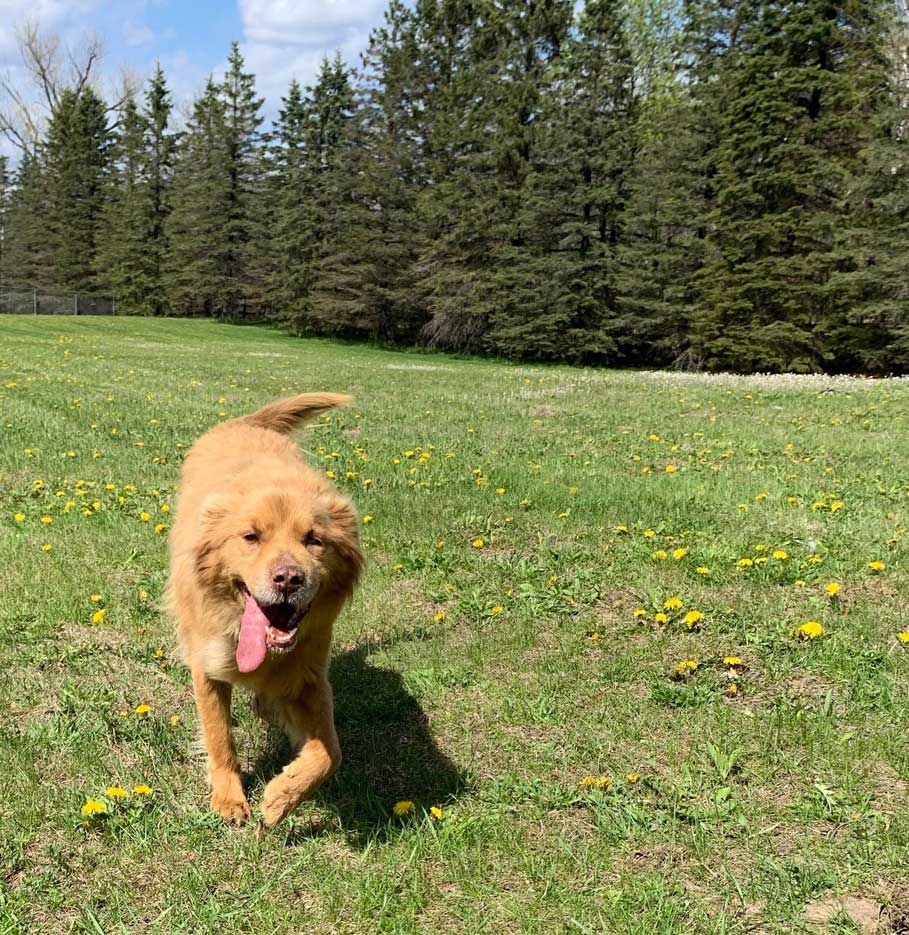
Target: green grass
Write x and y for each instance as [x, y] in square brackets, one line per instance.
[747, 809]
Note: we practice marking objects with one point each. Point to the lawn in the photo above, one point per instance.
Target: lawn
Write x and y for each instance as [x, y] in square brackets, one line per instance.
[578, 640]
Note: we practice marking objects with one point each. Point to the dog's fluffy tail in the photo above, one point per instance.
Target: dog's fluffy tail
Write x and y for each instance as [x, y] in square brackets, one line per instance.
[285, 415]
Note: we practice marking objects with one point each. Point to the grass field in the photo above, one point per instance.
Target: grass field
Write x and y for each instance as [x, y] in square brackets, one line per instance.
[564, 567]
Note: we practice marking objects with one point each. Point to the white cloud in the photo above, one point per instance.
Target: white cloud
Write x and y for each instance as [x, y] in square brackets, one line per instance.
[287, 39]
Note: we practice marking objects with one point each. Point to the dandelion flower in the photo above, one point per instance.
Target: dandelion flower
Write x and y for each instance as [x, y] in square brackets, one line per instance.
[836, 505]
[497, 609]
[877, 566]
[633, 777]
[672, 603]
[639, 614]
[903, 637]
[745, 562]
[679, 553]
[47, 520]
[439, 617]
[403, 808]
[649, 533]
[670, 469]
[116, 792]
[478, 543]
[779, 554]
[143, 790]
[811, 630]
[732, 662]
[98, 615]
[436, 812]
[661, 617]
[686, 666]
[46, 547]
[702, 570]
[19, 517]
[93, 807]
[832, 588]
[175, 719]
[367, 519]
[693, 617]
[660, 554]
[143, 709]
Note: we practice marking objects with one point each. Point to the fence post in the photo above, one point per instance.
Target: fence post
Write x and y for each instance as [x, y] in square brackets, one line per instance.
[76, 304]
[34, 301]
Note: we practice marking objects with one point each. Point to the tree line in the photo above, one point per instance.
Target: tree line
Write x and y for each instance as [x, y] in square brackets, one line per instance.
[717, 184]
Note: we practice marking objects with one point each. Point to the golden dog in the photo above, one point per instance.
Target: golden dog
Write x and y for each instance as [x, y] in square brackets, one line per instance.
[264, 553]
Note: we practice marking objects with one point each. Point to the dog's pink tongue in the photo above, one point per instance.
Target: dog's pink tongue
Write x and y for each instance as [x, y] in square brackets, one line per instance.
[251, 645]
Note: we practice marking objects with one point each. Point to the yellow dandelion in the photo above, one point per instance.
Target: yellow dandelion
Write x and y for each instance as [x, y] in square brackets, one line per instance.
[175, 719]
[745, 562]
[732, 690]
[832, 588]
[811, 630]
[693, 617]
[661, 617]
[903, 637]
[649, 533]
[46, 547]
[679, 553]
[93, 807]
[403, 808]
[702, 570]
[143, 790]
[47, 520]
[836, 505]
[478, 543]
[116, 792]
[143, 594]
[633, 778]
[160, 527]
[732, 662]
[686, 666]
[639, 613]
[672, 603]
[497, 609]
[670, 469]
[877, 565]
[144, 516]
[367, 519]
[660, 554]
[98, 615]
[779, 554]
[143, 709]
[436, 812]
[19, 517]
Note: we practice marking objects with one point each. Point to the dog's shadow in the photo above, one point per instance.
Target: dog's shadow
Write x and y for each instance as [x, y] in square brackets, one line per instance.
[389, 754]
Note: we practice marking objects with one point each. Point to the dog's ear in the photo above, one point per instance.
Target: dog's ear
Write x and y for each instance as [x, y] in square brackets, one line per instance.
[344, 535]
[214, 510]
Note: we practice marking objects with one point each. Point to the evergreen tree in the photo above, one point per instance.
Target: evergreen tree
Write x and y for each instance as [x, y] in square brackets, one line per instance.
[797, 91]
[245, 219]
[123, 244]
[4, 205]
[294, 219]
[364, 283]
[200, 276]
[76, 157]
[159, 156]
[26, 260]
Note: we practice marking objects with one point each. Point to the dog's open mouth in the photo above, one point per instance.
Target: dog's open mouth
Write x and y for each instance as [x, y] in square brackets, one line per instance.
[266, 628]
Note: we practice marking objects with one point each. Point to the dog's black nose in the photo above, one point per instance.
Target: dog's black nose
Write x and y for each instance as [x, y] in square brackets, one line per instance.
[289, 578]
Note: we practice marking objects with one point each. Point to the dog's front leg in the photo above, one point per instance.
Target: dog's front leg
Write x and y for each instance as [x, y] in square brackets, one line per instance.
[309, 722]
[213, 703]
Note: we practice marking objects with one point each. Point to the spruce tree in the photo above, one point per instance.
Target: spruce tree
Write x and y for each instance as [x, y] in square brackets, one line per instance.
[27, 260]
[76, 157]
[160, 154]
[200, 262]
[244, 221]
[797, 94]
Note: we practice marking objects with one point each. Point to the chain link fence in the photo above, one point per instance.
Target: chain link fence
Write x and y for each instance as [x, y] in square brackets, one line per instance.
[20, 300]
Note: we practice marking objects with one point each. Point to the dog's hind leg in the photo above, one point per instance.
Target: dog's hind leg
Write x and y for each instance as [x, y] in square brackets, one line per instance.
[309, 722]
[213, 703]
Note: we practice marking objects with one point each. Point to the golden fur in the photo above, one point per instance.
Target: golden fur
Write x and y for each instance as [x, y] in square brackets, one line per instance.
[246, 478]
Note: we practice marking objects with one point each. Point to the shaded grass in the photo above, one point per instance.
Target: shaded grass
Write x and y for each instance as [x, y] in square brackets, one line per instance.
[487, 681]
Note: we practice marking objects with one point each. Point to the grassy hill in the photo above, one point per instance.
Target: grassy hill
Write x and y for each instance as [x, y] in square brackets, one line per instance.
[578, 638]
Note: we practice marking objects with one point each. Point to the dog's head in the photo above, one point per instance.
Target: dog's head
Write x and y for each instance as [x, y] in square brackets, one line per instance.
[276, 552]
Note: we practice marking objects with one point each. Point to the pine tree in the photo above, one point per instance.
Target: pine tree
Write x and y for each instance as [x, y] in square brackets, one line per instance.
[27, 261]
[797, 97]
[159, 157]
[123, 243]
[294, 223]
[364, 283]
[244, 221]
[200, 263]
[76, 156]
[4, 207]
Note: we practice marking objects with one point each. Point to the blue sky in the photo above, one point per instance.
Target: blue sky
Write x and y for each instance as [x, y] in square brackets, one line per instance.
[280, 39]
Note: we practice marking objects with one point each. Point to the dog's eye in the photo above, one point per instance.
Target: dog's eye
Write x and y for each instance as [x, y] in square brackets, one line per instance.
[251, 537]
[311, 539]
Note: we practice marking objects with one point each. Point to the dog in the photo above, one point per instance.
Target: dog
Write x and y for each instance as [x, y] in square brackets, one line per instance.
[264, 554]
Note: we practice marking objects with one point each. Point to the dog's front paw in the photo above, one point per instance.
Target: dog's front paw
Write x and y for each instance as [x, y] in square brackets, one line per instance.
[282, 796]
[228, 800]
